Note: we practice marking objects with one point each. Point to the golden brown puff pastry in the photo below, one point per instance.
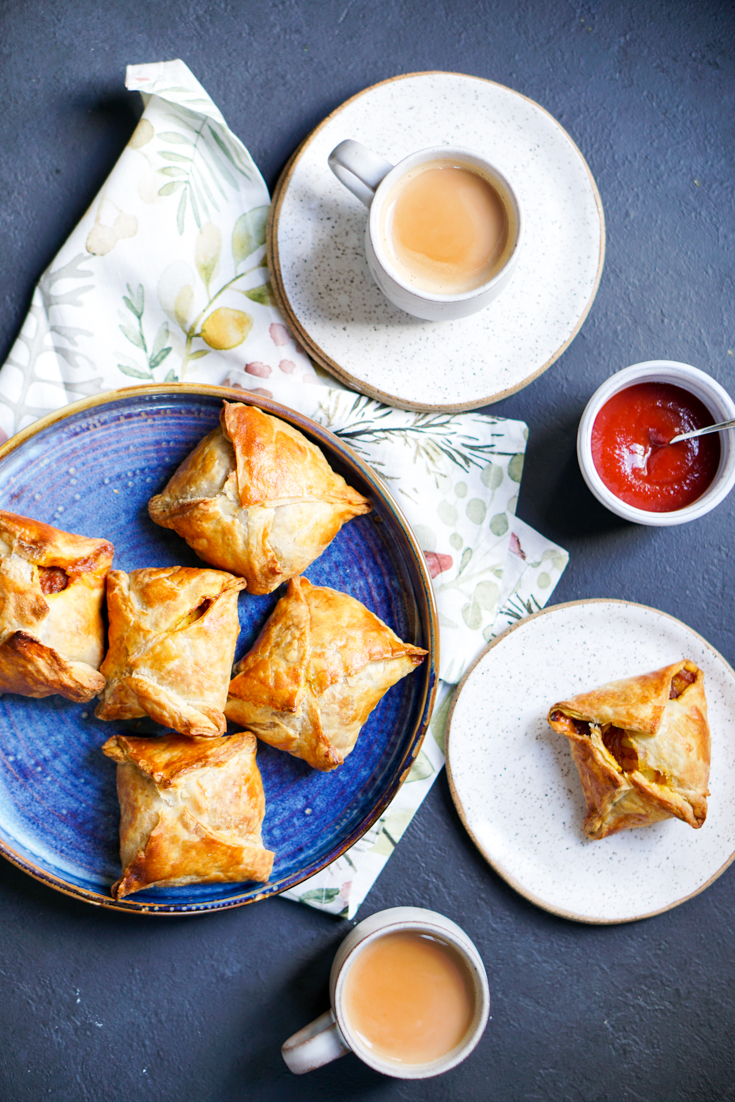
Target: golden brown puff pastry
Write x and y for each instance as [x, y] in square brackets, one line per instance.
[318, 668]
[257, 498]
[191, 811]
[52, 585]
[642, 749]
[173, 632]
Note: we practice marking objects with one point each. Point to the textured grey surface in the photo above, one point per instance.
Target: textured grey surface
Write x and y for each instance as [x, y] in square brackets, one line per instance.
[102, 1007]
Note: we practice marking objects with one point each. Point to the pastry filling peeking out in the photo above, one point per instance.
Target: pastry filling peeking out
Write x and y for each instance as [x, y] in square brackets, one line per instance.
[53, 579]
[622, 749]
[194, 614]
[617, 742]
[681, 681]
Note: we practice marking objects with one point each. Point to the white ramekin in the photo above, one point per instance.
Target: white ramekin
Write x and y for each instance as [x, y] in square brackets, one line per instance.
[702, 386]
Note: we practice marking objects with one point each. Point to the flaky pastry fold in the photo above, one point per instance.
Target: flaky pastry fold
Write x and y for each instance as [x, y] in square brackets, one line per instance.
[641, 747]
[318, 668]
[257, 498]
[52, 585]
[172, 633]
[191, 811]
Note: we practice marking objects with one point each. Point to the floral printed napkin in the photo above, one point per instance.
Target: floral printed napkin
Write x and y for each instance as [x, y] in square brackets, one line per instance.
[165, 279]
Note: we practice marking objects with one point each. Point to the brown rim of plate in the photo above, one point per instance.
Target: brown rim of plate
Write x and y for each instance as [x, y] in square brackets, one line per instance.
[496, 865]
[431, 675]
[317, 353]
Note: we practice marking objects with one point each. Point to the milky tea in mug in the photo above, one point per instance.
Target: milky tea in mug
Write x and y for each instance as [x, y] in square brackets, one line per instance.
[446, 227]
[409, 997]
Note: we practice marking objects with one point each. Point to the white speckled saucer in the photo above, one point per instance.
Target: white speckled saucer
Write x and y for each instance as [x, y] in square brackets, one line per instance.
[321, 278]
[517, 789]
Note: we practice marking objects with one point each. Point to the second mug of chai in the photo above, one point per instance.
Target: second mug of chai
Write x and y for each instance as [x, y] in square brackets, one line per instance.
[409, 996]
[444, 229]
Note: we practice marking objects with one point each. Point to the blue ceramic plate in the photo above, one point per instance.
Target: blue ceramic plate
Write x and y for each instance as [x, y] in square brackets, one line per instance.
[91, 468]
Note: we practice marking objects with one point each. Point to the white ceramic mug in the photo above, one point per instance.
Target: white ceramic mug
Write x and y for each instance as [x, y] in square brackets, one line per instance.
[331, 1035]
[371, 178]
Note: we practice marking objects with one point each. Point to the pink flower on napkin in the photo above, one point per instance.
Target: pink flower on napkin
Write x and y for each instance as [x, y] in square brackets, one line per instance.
[437, 563]
[515, 546]
[257, 368]
[279, 333]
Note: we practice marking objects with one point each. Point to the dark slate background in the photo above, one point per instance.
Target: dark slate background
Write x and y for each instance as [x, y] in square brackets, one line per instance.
[100, 1006]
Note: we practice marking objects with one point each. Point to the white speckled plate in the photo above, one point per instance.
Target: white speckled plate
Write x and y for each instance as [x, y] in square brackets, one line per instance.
[517, 789]
[321, 278]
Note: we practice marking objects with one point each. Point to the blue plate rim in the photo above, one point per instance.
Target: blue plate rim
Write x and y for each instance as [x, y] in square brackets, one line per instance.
[425, 597]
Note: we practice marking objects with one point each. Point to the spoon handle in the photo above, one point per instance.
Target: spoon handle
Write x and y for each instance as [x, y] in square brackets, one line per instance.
[703, 432]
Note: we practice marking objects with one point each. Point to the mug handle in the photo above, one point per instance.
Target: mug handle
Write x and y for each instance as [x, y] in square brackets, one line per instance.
[316, 1044]
[360, 170]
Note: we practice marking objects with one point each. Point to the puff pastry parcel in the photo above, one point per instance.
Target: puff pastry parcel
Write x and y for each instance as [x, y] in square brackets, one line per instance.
[318, 668]
[642, 749]
[255, 497]
[173, 632]
[52, 585]
[191, 811]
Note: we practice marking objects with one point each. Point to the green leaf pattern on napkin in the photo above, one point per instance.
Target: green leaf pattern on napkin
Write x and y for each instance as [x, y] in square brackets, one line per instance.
[135, 334]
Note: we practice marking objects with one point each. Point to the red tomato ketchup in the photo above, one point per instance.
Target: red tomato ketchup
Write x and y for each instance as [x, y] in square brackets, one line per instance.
[632, 465]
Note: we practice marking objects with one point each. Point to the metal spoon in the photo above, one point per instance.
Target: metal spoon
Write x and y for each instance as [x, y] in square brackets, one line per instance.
[659, 441]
